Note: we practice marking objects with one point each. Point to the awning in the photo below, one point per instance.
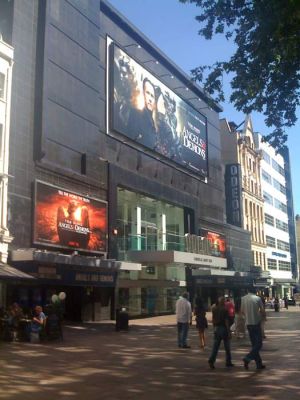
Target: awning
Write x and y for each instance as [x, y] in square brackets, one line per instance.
[283, 281]
[179, 257]
[53, 257]
[226, 278]
[10, 273]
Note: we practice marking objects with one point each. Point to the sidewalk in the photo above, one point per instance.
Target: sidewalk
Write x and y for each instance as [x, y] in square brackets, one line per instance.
[95, 362]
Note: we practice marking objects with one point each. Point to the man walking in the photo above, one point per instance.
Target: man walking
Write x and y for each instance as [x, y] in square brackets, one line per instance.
[253, 309]
[220, 319]
[184, 317]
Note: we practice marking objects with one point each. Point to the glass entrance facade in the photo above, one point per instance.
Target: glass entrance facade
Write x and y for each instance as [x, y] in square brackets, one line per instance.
[149, 224]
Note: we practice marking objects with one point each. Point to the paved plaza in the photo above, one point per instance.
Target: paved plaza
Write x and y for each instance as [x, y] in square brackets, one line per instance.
[95, 362]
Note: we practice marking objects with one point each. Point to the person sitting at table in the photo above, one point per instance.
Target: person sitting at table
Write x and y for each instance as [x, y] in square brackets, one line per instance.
[17, 312]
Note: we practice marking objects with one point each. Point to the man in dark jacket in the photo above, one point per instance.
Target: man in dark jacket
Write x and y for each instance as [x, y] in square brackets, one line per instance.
[141, 123]
[220, 320]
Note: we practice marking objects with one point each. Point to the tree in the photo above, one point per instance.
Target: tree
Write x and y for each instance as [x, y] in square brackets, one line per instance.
[265, 67]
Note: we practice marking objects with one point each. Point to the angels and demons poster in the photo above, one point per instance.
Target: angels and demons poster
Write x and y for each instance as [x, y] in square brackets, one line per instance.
[150, 114]
[69, 220]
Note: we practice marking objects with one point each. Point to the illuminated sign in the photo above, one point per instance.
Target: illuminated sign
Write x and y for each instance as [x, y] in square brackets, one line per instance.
[233, 190]
[150, 114]
[69, 220]
[217, 242]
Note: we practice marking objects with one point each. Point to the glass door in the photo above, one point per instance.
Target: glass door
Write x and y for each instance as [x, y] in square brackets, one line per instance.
[149, 235]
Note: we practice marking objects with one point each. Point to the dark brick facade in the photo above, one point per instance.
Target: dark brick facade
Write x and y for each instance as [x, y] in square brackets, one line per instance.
[58, 121]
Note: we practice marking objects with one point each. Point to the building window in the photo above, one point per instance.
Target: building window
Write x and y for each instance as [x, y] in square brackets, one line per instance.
[280, 206]
[269, 219]
[272, 263]
[2, 85]
[150, 270]
[281, 245]
[124, 296]
[266, 157]
[145, 223]
[277, 185]
[282, 225]
[268, 198]
[277, 167]
[284, 265]
[271, 241]
[266, 177]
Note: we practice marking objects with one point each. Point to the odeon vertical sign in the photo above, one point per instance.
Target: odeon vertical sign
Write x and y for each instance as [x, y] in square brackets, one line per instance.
[233, 191]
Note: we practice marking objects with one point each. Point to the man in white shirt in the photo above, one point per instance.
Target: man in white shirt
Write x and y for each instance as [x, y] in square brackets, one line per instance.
[253, 309]
[184, 318]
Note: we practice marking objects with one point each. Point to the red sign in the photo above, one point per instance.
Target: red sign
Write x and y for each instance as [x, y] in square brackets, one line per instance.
[217, 241]
[69, 220]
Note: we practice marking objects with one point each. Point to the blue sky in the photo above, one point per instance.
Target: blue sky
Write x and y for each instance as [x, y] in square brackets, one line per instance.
[172, 27]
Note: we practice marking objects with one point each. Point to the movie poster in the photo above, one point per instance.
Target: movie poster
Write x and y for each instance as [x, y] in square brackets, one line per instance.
[149, 113]
[68, 220]
[217, 241]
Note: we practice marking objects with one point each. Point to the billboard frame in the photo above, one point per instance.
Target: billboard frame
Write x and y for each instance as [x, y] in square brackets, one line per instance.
[111, 44]
[59, 246]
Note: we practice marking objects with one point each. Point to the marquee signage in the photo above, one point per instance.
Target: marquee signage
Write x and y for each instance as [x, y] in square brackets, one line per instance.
[71, 275]
[69, 220]
[150, 114]
[233, 190]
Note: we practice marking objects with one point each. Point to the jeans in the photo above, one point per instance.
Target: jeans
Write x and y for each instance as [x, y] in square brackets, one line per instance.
[256, 342]
[182, 330]
[221, 333]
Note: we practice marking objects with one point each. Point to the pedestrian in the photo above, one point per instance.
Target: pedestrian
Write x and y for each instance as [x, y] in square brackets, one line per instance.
[286, 302]
[253, 309]
[201, 320]
[276, 304]
[184, 319]
[220, 321]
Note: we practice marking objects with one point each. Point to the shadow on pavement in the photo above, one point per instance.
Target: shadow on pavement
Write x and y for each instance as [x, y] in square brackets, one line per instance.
[95, 362]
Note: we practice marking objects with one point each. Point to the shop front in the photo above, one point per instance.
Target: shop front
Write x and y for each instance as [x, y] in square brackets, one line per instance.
[211, 284]
[89, 283]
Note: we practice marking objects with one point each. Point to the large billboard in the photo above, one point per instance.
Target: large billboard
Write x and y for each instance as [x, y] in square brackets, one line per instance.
[217, 242]
[68, 220]
[150, 114]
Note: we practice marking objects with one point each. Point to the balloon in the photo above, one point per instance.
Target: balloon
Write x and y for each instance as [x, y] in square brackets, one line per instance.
[62, 296]
[54, 298]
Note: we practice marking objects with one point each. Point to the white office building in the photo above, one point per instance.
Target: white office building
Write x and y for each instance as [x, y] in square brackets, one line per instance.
[276, 219]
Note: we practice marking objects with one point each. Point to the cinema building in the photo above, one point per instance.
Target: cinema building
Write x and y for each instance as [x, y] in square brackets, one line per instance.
[118, 195]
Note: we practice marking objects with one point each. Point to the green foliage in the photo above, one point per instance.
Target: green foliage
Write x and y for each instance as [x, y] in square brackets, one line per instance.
[265, 67]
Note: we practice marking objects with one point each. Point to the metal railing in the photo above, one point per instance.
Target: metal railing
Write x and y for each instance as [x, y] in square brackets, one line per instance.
[186, 243]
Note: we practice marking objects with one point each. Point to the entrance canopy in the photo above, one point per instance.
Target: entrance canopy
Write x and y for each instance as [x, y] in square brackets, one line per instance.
[180, 257]
[70, 269]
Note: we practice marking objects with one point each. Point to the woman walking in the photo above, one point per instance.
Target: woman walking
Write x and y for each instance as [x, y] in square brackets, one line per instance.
[201, 321]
